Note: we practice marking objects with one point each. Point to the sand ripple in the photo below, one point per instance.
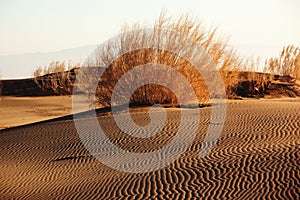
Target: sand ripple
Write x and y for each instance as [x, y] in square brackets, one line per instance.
[257, 157]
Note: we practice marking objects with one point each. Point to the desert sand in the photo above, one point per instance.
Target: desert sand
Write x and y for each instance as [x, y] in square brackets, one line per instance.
[256, 157]
[16, 111]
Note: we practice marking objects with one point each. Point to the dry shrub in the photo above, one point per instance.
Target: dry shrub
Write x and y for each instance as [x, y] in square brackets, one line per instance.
[287, 63]
[178, 33]
[150, 94]
[55, 78]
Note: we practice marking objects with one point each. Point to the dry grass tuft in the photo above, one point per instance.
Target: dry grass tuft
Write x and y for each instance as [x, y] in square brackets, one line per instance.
[286, 64]
[55, 77]
[213, 44]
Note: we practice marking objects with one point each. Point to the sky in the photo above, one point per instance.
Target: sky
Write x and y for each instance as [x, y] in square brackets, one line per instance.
[35, 26]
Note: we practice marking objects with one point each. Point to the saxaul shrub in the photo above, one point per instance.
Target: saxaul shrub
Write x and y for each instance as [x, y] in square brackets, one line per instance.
[179, 31]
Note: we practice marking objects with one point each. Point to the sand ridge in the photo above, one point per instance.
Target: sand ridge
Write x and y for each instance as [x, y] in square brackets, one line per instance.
[256, 157]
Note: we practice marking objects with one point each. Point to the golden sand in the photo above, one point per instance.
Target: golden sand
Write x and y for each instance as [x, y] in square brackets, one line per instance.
[256, 157]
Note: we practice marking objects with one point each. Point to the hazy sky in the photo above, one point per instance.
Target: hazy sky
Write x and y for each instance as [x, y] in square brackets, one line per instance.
[43, 26]
[257, 27]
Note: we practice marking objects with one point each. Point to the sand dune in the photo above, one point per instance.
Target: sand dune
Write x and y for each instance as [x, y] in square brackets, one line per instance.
[256, 157]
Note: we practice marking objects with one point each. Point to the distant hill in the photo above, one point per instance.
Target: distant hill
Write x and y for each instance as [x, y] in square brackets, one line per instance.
[22, 66]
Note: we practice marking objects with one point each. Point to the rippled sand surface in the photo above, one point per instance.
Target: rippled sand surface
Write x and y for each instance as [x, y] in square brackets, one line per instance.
[256, 157]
